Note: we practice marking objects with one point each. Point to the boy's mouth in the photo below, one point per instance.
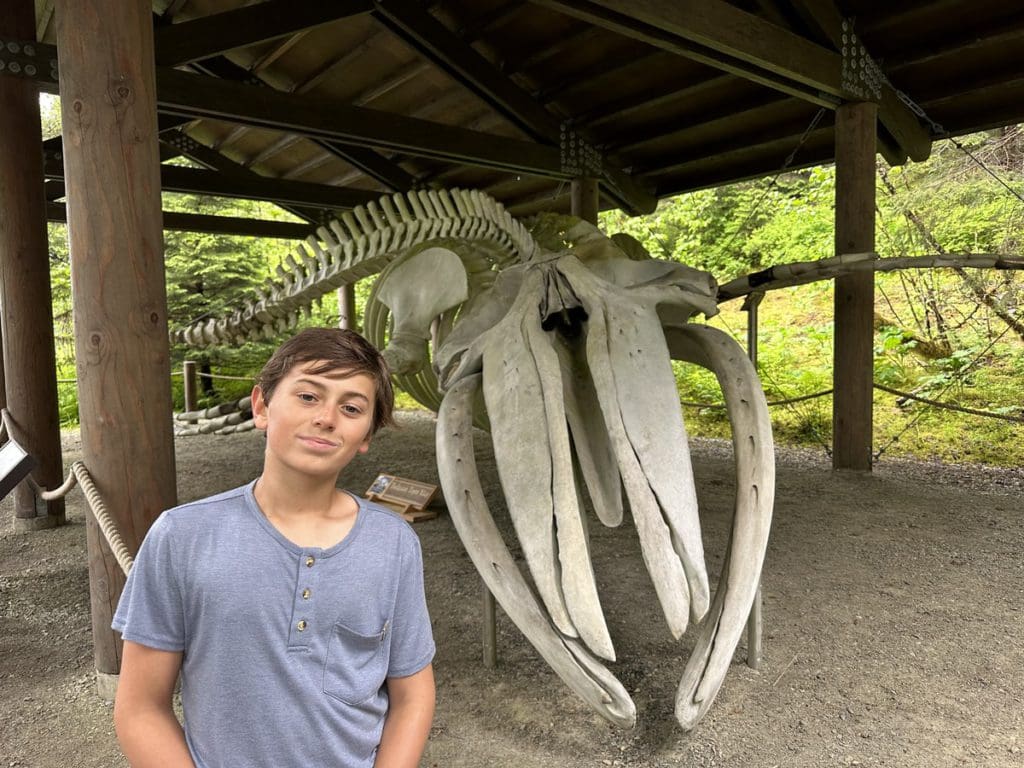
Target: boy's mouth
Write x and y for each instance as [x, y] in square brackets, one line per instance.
[318, 442]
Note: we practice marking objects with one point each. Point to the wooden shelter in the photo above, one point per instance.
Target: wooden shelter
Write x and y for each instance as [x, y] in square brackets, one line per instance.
[319, 105]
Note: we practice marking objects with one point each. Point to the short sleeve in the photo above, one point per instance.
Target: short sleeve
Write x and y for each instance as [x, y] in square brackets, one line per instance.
[150, 611]
[412, 638]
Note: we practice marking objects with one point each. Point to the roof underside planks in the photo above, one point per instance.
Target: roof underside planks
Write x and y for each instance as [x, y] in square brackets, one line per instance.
[337, 102]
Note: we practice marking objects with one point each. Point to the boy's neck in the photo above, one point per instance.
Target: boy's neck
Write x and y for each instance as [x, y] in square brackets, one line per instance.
[309, 514]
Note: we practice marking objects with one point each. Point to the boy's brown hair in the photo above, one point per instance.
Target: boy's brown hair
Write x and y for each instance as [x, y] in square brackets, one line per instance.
[337, 350]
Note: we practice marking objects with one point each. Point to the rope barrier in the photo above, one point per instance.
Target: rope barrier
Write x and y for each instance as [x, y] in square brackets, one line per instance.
[883, 388]
[950, 407]
[770, 404]
[219, 376]
[79, 474]
[181, 373]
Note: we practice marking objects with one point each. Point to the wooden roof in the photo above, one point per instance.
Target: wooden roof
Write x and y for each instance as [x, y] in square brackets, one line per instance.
[323, 104]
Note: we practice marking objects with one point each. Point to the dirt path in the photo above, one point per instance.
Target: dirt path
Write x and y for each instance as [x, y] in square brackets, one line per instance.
[894, 610]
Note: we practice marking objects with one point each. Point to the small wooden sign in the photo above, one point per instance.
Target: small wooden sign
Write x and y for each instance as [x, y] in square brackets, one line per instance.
[15, 465]
[407, 497]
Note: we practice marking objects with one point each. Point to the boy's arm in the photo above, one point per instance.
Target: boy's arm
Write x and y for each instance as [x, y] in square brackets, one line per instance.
[144, 720]
[410, 712]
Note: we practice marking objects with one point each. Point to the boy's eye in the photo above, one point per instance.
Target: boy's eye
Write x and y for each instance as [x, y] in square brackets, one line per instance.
[307, 397]
[352, 410]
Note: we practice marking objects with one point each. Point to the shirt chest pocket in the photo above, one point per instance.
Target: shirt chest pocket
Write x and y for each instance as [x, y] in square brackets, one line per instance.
[356, 664]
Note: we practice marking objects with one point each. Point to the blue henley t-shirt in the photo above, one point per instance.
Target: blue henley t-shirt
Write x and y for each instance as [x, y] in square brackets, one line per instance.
[285, 648]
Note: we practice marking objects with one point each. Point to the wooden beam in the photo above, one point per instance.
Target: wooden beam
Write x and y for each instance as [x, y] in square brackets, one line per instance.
[195, 181]
[117, 284]
[215, 225]
[460, 60]
[712, 171]
[585, 199]
[221, 32]
[387, 173]
[412, 23]
[776, 140]
[722, 36]
[854, 298]
[382, 170]
[26, 311]
[896, 116]
[215, 161]
[763, 108]
[198, 96]
[629, 105]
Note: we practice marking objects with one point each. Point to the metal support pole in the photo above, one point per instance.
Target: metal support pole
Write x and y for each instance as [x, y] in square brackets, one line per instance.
[755, 623]
[490, 630]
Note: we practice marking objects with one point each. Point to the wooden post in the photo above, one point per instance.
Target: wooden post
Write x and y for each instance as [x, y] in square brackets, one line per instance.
[585, 200]
[188, 376]
[856, 126]
[31, 375]
[112, 175]
[347, 307]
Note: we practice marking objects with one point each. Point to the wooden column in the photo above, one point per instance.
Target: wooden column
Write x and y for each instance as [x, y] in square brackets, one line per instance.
[585, 199]
[347, 307]
[111, 164]
[27, 321]
[854, 295]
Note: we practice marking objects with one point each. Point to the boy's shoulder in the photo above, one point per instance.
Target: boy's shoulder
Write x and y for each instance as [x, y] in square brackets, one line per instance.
[386, 519]
[208, 509]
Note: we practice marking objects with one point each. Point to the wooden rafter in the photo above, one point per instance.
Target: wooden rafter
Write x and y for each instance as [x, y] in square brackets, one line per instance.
[215, 161]
[212, 35]
[197, 96]
[460, 60]
[217, 225]
[175, 178]
[369, 162]
[896, 116]
[626, 106]
[723, 36]
[442, 46]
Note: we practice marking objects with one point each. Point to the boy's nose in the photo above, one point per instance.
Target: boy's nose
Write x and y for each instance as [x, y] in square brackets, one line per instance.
[324, 419]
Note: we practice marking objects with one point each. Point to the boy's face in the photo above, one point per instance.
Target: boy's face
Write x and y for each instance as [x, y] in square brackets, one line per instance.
[316, 423]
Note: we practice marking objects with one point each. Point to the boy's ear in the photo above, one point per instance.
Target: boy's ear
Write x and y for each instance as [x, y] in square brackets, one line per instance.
[365, 445]
[259, 409]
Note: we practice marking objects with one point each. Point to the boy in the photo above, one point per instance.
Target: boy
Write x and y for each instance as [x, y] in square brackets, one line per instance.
[293, 611]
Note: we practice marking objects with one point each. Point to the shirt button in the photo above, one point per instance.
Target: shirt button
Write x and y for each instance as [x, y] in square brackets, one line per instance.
[309, 561]
[301, 626]
[305, 594]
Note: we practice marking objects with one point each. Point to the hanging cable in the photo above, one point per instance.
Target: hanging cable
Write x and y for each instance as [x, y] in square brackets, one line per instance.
[790, 402]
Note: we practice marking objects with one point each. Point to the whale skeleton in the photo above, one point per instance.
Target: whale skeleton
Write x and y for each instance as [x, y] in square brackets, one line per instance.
[569, 338]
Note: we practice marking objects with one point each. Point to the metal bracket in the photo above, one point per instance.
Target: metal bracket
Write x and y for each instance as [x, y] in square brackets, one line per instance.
[577, 157]
[182, 142]
[861, 76]
[33, 61]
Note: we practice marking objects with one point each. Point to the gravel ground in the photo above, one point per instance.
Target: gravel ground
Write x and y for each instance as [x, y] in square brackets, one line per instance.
[893, 604]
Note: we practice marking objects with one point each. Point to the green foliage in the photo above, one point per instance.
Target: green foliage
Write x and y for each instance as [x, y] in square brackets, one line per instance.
[939, 334]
